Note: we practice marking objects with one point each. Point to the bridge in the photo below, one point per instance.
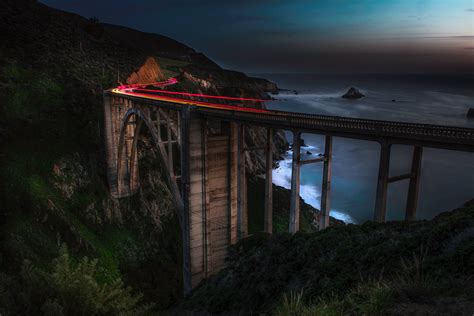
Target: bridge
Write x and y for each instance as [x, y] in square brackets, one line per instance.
[201, 143]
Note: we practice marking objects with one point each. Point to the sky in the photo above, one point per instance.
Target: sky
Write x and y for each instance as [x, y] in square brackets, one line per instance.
[306, 36]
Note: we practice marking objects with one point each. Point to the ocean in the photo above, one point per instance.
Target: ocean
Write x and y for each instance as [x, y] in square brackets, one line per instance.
[447, 176]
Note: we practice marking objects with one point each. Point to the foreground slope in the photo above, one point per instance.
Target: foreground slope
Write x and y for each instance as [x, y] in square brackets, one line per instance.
[395, 267]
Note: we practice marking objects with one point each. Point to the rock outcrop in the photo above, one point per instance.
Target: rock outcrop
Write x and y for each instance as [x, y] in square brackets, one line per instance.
[149, 72]
[470, 113]
[353, 93]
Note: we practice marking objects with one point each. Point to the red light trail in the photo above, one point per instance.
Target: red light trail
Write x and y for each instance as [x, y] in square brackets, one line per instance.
[141, 90]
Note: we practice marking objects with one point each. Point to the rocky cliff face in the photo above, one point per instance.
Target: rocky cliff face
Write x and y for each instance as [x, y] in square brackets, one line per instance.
[149, 72]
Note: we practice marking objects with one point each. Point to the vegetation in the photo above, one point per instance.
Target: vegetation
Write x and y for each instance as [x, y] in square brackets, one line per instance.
[361, 269]
[53, 191]
[67, 288]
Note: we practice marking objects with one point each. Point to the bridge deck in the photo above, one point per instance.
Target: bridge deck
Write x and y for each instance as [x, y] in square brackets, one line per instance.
[427, 135]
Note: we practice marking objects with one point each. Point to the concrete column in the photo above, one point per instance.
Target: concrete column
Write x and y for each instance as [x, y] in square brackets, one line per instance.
[170, 144]
[241, 186]
[134, 181]
[233, 179]
[268, 227]
[158, 125]
[111, 140]
[382, 183]
[295, 185]
[414, 186]
[326, 187]
[185, 216]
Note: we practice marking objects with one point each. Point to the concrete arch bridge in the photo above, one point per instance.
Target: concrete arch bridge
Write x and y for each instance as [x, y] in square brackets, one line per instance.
[201, 143]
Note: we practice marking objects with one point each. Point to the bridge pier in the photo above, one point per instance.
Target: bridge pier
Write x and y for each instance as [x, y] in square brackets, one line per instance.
[326, 186]
[413, 188]
[268, 220]
[187, 190]
[212, 208]
[242, 209]
[294, 225]
[382, 183]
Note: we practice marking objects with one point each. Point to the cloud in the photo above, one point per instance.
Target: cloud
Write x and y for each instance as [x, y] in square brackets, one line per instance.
[470, 10]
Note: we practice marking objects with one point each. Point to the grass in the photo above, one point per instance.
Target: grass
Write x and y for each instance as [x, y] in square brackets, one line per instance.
[171, 67]
[365, 299]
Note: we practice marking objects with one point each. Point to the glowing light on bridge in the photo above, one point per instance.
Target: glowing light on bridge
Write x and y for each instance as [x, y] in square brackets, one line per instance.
[141, 90]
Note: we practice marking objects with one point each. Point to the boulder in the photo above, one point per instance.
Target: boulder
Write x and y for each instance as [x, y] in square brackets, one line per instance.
[302, 144]
[353, 93]
[470, 113]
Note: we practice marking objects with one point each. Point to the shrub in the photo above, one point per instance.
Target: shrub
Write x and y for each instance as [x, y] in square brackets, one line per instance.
[72, 289]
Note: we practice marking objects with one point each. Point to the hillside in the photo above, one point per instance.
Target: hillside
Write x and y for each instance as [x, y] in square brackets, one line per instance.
[54, 67]
[396, 268]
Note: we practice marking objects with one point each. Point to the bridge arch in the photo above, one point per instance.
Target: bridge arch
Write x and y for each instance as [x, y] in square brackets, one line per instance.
[127, 155]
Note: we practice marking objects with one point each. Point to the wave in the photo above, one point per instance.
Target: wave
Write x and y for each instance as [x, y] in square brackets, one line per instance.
[309, 192]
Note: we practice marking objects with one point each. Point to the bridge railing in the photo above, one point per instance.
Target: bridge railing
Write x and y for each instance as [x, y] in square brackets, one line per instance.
[354, 125]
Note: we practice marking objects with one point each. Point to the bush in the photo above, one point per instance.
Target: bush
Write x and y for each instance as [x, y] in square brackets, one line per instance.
[72, 289]
[372, 298]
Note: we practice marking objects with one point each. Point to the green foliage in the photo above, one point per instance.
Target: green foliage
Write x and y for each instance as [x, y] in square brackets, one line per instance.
[70, 288]
[370, 298]
[30, 93]
[369, 267]
[366, 299]
[292, 304]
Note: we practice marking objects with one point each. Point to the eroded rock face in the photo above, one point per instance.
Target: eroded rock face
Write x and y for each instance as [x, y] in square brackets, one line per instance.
[205, 84]
[69, 175]
[155, 197]
[353, 93]
[149, 72]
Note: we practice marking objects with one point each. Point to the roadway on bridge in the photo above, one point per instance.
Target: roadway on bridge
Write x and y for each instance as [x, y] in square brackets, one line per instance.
[243, 110]
[158, 94]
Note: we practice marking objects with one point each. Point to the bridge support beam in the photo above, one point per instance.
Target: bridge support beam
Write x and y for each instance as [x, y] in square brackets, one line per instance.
[382, 183]
[414, 186]
[268, 221]
[294, 225]
[326, 186]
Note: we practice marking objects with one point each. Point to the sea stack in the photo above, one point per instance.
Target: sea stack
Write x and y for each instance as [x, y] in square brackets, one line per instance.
[470, 113]
[353, 93]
